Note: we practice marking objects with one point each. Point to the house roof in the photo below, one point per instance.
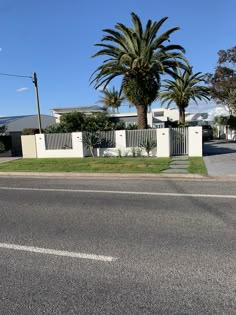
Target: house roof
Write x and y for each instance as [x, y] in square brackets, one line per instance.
[6, 120]
[93, 108]
[196, 116]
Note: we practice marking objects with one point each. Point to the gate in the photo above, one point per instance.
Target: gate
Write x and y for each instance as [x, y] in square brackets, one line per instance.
[179, 141]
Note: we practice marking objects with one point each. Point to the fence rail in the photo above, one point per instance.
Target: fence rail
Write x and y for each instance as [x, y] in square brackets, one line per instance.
[108, 139]
[58, 141]
[134, 138]
[175, 141]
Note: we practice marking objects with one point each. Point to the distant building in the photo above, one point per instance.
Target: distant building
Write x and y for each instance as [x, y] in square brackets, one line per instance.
[57, 112]
[13, 126]
[156, 118]
[18, 123]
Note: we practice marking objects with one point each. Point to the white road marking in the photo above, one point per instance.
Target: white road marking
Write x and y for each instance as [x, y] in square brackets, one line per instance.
[57, 252]
[119, 192]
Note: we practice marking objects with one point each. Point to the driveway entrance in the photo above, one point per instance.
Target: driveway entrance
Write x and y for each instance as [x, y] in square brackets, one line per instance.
[8, 159]
[220, 157]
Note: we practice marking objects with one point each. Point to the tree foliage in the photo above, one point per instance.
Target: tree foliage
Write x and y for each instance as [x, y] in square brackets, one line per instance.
[139, 55]
[77, 121]
[112, 99]
[229, 121]
[91, 139]
[183, 87]
[223, 81]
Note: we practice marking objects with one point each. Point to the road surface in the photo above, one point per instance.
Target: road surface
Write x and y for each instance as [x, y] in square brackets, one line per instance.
[117, 246]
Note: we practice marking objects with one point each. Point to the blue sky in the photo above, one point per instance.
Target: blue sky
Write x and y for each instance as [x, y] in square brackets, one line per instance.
[55, 38]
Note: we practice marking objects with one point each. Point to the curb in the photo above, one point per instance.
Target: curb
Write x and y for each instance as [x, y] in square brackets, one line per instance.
[167, 176]
[104, 175]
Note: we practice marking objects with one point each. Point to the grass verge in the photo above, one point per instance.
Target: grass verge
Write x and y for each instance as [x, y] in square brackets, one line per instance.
[93, 165]
[197, 166]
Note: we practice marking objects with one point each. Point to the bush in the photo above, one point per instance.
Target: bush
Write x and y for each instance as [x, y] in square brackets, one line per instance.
[148, 145]
[91, 139]
[6, 141]
[2, 147]
[30, 131]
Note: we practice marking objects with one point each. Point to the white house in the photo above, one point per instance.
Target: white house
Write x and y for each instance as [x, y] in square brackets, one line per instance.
[57, 112]
[156, 117]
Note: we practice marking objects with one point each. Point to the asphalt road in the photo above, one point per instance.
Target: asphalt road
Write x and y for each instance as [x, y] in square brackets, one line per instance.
[117, 246]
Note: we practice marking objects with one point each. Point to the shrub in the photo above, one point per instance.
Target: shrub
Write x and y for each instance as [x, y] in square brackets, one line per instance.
[148, 145]
[2, 147]
[6, 141]
[91, 139]
[29, 131]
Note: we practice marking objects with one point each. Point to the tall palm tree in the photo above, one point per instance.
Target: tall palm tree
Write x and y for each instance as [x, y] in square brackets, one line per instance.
[139, 56]
[184, 86]
[112, 99]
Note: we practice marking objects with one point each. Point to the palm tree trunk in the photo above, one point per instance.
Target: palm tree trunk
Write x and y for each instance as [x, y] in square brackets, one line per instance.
[182, 115]
[142, 116]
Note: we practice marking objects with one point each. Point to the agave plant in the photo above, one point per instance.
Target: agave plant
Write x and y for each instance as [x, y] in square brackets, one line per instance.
[91, 140]
[148, 144]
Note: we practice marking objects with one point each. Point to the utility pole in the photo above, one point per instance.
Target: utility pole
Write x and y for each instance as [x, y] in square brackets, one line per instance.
[35, 81]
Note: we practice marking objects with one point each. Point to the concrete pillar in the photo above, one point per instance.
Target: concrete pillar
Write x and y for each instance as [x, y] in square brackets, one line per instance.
[29, 149]
[163, 142]
[40, 144]
[77, 144]
[195, 141]
[121, 140]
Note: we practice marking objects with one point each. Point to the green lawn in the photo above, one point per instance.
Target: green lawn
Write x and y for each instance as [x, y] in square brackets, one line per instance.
[99, 165]
[197, 166]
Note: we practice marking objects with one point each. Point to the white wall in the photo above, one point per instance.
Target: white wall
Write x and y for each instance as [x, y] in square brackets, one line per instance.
[172, 114]
[163, 145]
[163, 142]
[77, 146]
[195, 141]
[29, 149]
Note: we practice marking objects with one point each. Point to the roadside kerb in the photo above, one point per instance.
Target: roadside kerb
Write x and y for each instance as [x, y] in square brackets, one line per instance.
[106, 175]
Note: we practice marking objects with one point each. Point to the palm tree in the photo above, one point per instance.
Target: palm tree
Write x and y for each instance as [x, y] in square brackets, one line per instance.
[112, 99]
[140, 57]
[182, 88]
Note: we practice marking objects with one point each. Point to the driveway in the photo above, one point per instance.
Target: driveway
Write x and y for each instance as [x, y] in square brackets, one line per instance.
[220, 157]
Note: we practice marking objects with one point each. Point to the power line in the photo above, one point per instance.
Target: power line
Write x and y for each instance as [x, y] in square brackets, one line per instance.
[35, 81]
[16, 75]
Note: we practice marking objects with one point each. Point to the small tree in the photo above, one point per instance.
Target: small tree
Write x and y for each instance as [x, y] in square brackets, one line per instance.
[148, 144]
[56, 128]
[222, 82]
[184, 87]
[112, 99]
[73, 121]
[91, 140]
[221, 121]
